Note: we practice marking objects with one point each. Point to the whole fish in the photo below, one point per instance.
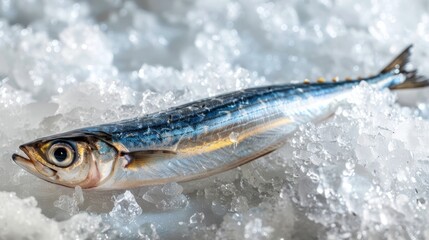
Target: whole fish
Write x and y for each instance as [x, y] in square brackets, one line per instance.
[198, 139]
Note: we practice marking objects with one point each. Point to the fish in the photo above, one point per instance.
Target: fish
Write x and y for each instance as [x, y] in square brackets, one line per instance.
[197, 139]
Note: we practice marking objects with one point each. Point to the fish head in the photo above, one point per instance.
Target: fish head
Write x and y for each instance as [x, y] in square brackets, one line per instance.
[73, 159]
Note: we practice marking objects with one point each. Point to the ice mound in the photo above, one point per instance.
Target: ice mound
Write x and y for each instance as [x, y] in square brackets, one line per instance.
[358, 175]
[21, 219]
[13, 222]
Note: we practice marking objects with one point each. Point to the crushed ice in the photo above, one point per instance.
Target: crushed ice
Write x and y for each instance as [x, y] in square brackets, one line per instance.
[168, 196]
[361, 174]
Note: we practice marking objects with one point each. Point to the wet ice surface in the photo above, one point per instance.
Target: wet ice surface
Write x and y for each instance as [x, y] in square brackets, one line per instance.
[361, 174]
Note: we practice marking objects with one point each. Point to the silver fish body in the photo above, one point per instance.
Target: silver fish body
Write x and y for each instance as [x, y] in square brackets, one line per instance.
[194, 140]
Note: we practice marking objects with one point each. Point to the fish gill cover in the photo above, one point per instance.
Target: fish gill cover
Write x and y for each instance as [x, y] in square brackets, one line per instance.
[361, 174]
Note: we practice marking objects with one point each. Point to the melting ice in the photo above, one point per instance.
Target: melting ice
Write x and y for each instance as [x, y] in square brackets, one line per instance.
[362, 174]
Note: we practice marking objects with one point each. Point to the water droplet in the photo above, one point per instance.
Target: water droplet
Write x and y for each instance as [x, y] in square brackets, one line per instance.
[233, 137]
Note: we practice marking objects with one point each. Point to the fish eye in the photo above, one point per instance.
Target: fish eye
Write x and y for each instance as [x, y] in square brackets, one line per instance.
[61, 154]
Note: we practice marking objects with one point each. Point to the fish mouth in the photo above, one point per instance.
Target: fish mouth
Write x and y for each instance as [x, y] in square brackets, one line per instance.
[30, 165]
[22, 161]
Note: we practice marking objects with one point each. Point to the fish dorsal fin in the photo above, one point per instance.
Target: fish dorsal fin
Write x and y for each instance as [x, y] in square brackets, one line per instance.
[138, 159]
[400, 61]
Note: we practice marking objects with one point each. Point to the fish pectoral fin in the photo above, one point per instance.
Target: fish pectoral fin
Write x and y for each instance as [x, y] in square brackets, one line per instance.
[138, 159]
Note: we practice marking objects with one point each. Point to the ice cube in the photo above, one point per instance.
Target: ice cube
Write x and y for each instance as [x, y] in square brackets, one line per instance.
[147, 231]
[166, 197]
[70, 204]
[196, 218]
[125, 208]
[255, 230]
[172, 189]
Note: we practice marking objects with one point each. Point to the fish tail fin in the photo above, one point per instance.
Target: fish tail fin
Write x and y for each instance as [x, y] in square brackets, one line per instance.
[400, 64]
